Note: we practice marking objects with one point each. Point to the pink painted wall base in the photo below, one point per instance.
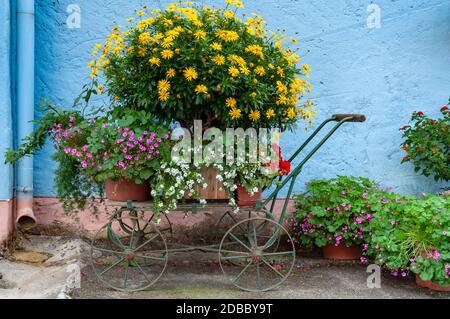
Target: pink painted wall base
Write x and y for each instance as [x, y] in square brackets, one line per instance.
[6, 220]
[49, 211]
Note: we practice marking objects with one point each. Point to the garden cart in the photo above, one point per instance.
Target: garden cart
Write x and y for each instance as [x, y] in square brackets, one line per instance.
[257, 253]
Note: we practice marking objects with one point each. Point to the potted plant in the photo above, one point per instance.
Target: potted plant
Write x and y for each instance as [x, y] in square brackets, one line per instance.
[335, 214]
[413, 236]
[122, 151]
[427, 144]
[204, 63]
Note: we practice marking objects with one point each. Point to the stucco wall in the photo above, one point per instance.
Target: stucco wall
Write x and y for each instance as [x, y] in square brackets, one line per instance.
[385, 73]
[6, 173]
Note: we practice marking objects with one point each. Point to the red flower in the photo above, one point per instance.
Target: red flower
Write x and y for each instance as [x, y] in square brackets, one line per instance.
[406, 157]
[404, 127]
[444, 108]
[406, 147]
[285, 168]
[419, 113]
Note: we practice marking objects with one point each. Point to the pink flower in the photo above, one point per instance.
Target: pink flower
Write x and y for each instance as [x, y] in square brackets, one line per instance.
[103, 125]
[436, 255]
[393, 222]
[364, 195]
[84, 164]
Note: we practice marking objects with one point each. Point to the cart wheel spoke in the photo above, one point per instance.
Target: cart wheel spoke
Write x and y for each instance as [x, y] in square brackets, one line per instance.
[125, 269]
[271, 267]
[112, 266]
[255, 267]
[242, 272]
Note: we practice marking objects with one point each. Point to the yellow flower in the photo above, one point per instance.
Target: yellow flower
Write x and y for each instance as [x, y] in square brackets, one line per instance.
[254, 115]
[171, 73]
[96, 48]
[94, 72]
[200, 35]
[245, 70]
[259, 70]
[281, 88]
[130, 19]
[190, 74]
[235, 113]
[155, 61]
[219, 59]
[163, 86]
[235, 3]
[167, 42]
[306, 69]
[164, 96]
[140, 13]
[270, 113]
[201, 89]
[144, 38]
[294, 40]
[167, 54]
[253, 94]
[231, 102]
[100, 89]
[280, 71]
[291, 113]
[227, 36]
[233, 71]
[91, 64]
[142, 51]
[256, 50]
[216, 46]
[229, 14]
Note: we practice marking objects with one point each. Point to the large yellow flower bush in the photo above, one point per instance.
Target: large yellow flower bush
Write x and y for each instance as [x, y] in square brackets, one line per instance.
[191, 62]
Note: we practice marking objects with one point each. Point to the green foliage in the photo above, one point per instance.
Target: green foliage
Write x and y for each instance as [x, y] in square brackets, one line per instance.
[427, 143]
[186, 62]
[338, 210]
[413, 235]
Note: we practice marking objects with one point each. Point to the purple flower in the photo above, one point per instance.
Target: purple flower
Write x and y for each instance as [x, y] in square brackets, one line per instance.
[436, 255]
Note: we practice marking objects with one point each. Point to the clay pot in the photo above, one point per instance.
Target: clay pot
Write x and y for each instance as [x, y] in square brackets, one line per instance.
[243, 198]
[430, 285]
[122, 190]
[341, 252]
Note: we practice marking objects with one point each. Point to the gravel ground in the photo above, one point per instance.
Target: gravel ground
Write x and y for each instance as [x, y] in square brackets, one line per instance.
[311, 278]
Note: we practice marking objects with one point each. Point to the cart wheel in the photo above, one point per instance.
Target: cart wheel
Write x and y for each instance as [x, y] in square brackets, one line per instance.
[129, 261]
[164, 227]
[259, 262]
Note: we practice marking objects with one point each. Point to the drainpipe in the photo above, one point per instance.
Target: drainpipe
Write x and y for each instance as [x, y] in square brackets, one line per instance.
[25, 218]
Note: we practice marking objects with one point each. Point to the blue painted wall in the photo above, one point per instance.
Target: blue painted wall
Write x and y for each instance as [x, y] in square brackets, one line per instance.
[386, 73]
[6, 123]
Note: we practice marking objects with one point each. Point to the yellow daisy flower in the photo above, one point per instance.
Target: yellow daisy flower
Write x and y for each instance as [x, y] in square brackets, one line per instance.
[200, 35]
[167, 54]
[270, 113]
[144, 38]
[259, 70]
[219, 59]
[291, 113]
[201, 89]
[233, 71]
[235, 113]
[171, 73]
[190, 74]
[155, 61]
[163, 86]
[231, 102]
[216, 46]
[254, 115]
[164, 96]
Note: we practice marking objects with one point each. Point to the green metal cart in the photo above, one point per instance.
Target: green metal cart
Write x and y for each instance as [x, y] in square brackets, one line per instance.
[130, 253]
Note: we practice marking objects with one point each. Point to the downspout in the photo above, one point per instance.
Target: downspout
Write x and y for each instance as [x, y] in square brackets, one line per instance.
[25, 218]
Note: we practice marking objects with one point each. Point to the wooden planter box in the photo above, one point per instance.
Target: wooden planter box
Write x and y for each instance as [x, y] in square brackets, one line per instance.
[215, 189]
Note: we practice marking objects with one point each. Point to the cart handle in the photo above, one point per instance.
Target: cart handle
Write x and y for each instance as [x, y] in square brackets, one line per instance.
[349, 117]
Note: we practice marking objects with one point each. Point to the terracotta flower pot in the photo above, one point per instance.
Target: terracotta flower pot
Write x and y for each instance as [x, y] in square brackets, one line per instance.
[243, 198]
[124, 190]
[430, 285]
[341, 252]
